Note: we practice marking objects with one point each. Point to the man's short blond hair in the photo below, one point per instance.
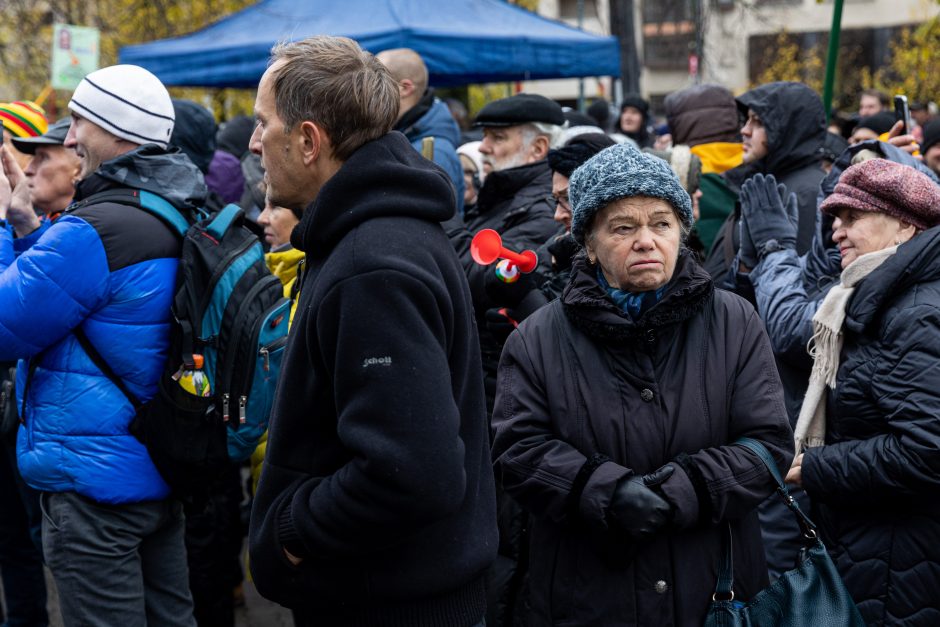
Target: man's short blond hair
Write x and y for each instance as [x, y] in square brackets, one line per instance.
[337, 85]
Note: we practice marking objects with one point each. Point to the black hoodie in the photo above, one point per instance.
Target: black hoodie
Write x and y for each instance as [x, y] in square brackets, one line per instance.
[795, 122]
[377, 471]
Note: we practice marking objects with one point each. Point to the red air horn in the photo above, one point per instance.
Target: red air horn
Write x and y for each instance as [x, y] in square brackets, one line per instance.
[487, 247]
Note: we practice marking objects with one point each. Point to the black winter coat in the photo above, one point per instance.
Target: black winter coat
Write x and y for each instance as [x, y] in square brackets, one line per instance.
[877, 479]
[377, 470]
[588, 397]
[513, 203]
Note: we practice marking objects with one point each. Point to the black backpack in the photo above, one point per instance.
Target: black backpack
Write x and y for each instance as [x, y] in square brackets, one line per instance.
[228, 308]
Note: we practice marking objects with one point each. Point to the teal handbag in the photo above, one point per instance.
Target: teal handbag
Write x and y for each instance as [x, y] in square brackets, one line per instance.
[810, 594]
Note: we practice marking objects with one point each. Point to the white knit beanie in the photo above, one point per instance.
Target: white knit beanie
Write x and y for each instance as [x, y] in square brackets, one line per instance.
[127, 101]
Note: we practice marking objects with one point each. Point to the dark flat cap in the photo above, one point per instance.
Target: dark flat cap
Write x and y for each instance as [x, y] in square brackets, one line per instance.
[520, 109]
[54, 136]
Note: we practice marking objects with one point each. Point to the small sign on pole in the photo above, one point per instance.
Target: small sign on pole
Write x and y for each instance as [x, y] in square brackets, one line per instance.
[74, 54]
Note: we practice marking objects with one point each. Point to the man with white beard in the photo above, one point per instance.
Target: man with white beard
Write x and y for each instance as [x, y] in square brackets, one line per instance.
[515, 199]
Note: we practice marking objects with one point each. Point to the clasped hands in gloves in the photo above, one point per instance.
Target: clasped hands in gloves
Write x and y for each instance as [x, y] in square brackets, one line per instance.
[636, 508]
[769, 219]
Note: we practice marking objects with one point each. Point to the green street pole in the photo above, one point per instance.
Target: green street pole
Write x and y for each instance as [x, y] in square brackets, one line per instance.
[833, 56]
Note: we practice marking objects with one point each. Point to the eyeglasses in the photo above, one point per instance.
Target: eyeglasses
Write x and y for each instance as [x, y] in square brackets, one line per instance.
[555, 201]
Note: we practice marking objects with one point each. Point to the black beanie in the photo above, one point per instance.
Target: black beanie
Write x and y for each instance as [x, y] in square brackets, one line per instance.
[931, 135]
[576, 151]
[194, 132]
[879, 123]
[637, 102]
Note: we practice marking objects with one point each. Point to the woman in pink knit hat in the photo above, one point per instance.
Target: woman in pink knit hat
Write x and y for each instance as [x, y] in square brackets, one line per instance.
[868, 434]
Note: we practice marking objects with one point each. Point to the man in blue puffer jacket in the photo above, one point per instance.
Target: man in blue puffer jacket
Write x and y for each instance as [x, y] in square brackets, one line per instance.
[111, 535]
[421, 115]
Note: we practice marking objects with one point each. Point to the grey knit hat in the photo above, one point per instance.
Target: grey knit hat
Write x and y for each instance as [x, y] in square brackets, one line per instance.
[622, 171]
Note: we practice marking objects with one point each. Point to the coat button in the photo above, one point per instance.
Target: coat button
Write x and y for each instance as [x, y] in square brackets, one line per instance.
[646, 394]
[661, 587]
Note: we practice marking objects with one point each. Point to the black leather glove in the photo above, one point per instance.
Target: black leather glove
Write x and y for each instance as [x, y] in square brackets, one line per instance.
[636, 508]
[507, 294]
[563, 250]
[500, 323]
[747, 252]
[770, 213]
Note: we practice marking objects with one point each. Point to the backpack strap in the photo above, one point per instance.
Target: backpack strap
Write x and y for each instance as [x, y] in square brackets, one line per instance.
[104, 367]
[224, 219]
[141, 199]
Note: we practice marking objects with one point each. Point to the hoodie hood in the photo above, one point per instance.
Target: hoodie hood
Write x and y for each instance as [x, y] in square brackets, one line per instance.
[385, 177]
[703, 114]
[795, 120]
[167, 173]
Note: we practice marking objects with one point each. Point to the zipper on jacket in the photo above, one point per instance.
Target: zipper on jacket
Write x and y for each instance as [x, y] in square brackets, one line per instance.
[225, 415]
[242, 401]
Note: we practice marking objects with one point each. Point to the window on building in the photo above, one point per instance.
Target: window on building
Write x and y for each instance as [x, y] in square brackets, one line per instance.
[568, 9]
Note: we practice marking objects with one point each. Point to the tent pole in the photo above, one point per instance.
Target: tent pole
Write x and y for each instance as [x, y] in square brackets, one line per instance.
[581, 80]
[833, 56]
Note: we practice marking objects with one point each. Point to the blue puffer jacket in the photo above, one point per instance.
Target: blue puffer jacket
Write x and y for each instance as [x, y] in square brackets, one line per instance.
[439, 124]
[110, 269]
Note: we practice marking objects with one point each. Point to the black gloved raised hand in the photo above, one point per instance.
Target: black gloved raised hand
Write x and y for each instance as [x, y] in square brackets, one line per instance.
[563, 250]
[747, 252]
[507, 294]
[770, 213]
[500, 323]
[636, 508]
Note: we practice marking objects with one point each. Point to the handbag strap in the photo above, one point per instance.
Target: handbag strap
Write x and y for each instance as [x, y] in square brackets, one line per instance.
[724, 588]
[806, 525]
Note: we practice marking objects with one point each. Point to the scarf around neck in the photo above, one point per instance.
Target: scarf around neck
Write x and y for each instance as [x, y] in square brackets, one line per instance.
[825, 348]
[632, 304]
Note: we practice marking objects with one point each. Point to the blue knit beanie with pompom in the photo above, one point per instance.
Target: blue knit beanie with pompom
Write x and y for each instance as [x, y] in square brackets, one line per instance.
[622, 171]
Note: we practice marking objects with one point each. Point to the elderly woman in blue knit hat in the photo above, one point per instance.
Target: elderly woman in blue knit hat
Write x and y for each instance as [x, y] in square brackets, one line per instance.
[618, 410]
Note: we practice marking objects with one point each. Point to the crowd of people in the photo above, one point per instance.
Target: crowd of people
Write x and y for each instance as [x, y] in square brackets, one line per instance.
[454, 443]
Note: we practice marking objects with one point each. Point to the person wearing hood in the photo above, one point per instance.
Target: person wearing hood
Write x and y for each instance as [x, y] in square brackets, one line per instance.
[784, 135]
[705, 118]
[634, 121]
[421, 116]
[868, 434]
[376, 505]
[104, 272]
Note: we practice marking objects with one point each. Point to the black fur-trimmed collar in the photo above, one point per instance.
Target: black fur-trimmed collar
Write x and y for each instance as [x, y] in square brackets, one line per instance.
[587, 306]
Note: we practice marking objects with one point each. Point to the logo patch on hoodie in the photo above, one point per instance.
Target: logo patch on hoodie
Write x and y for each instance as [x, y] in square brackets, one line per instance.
[377, 361]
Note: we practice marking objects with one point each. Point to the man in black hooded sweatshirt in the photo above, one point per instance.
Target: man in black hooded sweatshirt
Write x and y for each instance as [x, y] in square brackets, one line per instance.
[376, 504]
[784, 134]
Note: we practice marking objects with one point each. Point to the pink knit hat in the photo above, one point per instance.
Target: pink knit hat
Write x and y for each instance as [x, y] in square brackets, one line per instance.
[883, 186]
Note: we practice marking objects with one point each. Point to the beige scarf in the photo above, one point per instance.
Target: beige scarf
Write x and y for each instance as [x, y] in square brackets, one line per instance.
[826, 346]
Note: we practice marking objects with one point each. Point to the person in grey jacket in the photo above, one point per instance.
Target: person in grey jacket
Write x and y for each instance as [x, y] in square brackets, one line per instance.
[614, 433]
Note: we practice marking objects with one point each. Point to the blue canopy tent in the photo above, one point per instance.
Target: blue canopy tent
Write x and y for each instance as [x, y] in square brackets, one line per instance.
[461, 41]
